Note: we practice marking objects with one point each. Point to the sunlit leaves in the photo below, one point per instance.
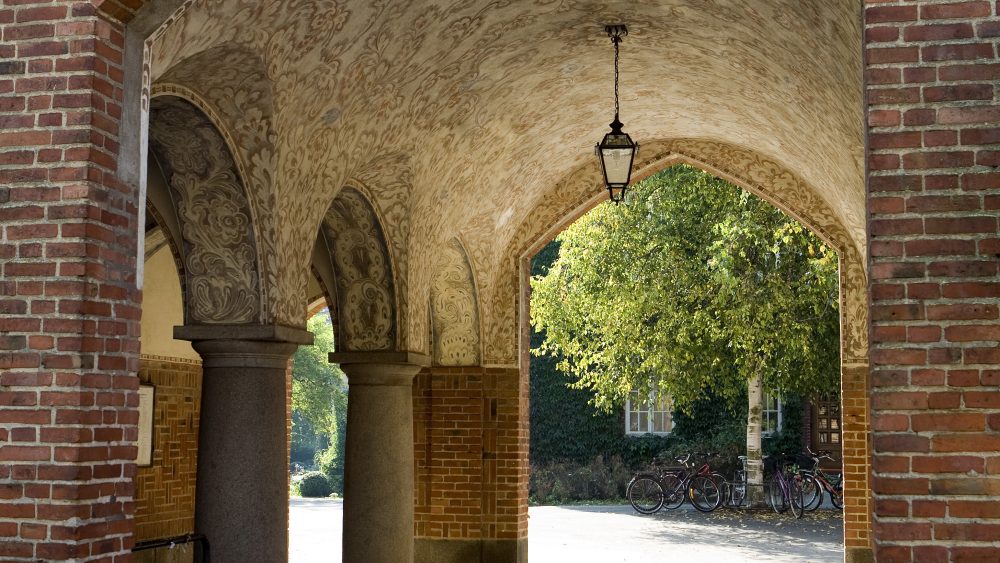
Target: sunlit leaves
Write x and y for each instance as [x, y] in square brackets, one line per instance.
[319, 392]
[693, 285]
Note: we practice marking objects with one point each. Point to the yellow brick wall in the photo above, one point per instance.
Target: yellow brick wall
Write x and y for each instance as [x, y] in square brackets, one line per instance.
[165, 491]
[471, 453]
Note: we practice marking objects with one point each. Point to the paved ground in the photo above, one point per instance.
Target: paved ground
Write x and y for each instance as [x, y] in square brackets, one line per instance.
[314, 530]
[606, 534]
[618, 534]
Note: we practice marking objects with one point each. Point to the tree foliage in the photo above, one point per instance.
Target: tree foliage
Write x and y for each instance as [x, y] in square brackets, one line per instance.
[319, 396]
[693, 286]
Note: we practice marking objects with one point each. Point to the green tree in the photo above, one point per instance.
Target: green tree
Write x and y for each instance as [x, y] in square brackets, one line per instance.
[692, 287]
[319, 398]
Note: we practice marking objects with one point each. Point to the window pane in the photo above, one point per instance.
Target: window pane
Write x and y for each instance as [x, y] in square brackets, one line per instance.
[663, 403]
[650, 412]
[633, 409]
[662, 419]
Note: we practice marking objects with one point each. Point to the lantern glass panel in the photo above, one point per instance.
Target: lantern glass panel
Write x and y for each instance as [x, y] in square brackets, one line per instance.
[617, 164]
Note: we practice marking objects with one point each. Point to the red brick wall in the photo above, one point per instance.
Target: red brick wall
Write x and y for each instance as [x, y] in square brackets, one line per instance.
[934, 195]
[471, 454]
[119, 10]
[165, 491]
[68, 304]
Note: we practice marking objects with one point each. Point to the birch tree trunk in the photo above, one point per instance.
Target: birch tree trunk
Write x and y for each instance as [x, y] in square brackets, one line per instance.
[755, 464]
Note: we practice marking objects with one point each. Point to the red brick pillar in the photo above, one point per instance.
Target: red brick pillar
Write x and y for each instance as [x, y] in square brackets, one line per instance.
[68, 305]
[934, 193]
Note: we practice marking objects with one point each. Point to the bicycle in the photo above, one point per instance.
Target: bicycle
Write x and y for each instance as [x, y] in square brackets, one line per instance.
[784, 489]
[734, 493]
[700, 486]
[815, 481]
[645, 493]
[649, 492]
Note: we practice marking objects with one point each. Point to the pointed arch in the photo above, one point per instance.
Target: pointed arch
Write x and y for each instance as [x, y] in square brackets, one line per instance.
[454, 308]
[219, 248]
[352, 259]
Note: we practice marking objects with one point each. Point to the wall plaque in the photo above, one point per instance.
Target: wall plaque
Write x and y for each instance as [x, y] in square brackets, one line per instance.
[146, 400]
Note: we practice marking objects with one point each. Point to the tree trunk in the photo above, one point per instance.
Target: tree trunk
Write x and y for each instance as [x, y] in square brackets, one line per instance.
[755, 464]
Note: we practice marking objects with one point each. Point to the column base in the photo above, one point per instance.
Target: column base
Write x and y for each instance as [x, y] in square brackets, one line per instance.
[429, 550]
[859, 555]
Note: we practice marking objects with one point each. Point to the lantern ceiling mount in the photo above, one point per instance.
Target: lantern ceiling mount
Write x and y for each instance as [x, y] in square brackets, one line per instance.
[616, 150]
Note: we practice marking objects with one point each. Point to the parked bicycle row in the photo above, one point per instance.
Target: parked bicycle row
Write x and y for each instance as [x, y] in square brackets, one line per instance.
[791, 482]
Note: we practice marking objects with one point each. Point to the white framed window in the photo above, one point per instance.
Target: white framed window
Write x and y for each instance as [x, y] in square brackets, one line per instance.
[770, 416]
[649, 414]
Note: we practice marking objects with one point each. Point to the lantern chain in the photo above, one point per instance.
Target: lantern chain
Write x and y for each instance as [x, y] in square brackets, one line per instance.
[616, 40]
[616, 33]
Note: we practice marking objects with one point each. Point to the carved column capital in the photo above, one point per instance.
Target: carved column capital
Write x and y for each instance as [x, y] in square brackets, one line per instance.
[251, 346]
[380, 368]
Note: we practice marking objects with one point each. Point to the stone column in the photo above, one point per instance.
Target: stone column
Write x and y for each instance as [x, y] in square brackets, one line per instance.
[378, 466]
[241, 502]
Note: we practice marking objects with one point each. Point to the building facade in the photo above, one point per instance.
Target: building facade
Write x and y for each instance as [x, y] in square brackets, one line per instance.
[403, 161]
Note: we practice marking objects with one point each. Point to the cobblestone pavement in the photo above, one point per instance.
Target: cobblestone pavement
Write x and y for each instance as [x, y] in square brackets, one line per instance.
[617, 534]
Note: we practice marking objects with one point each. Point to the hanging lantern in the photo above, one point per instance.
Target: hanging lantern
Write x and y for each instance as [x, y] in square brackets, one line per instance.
[616, 150]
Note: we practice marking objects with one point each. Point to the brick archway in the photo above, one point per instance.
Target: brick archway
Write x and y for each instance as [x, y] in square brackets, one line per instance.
[925, 109]
[772, 182]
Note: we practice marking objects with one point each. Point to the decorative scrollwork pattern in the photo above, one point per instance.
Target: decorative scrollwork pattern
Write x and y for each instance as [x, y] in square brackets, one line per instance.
[454, 308]
[365, 292]
[220, 255]
[464, 119]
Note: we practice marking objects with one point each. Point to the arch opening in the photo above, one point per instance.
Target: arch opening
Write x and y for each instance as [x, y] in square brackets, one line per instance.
[781, 188]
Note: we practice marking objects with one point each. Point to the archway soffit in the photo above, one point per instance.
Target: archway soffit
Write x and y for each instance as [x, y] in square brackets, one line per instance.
[816, 216]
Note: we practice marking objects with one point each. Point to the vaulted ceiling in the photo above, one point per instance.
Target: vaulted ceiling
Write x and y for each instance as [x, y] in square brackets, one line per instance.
[463, 118]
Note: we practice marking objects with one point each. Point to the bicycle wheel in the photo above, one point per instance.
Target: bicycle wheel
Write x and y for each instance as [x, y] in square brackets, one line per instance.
[812, 491]
[673, 491]
[645, 494]
[737, 490]
[776, 495]
[704, 493]
[737, 494]
[837, 496]
[795, 498]
[724, 487]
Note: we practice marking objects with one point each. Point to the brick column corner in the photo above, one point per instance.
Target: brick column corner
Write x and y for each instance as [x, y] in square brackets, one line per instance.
[69, 306]
[931, 77]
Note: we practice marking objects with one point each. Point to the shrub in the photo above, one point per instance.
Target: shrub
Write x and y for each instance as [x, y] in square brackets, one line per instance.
[331, 465]
[315, 484]
[568, 481]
